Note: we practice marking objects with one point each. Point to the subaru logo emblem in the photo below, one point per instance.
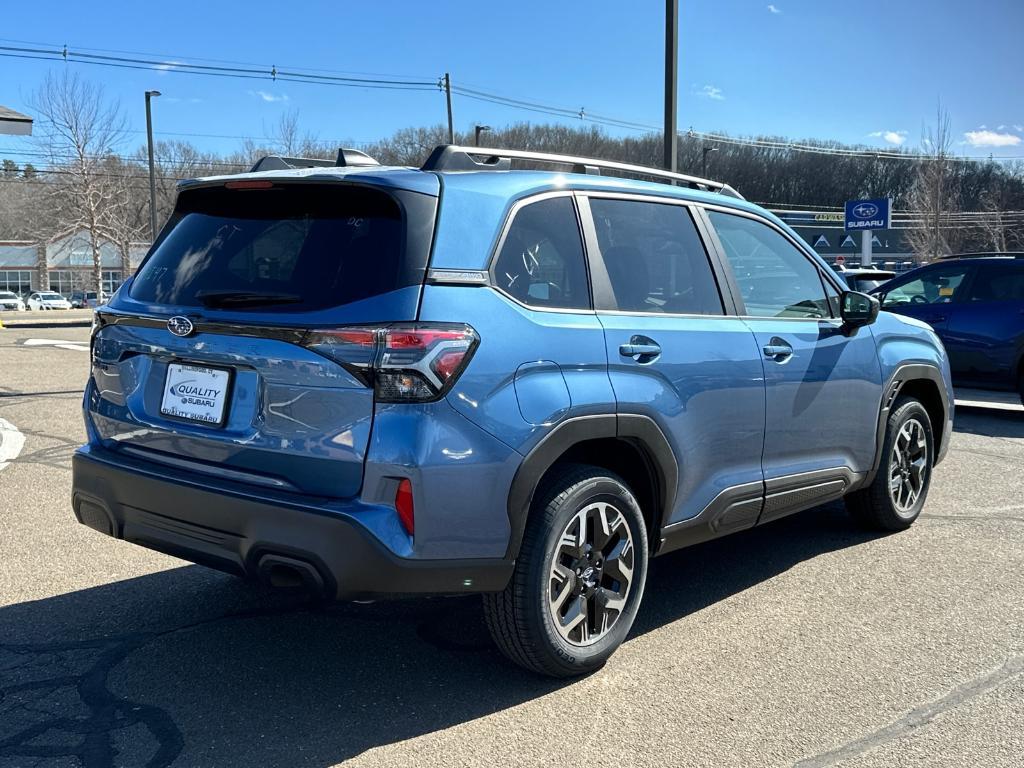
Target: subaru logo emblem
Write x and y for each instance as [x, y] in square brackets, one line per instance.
[180, 326]
[865, 211]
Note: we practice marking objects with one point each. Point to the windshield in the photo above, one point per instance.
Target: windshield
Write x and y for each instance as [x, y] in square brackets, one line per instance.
[51, 296]
[294, 247]
[7, 295]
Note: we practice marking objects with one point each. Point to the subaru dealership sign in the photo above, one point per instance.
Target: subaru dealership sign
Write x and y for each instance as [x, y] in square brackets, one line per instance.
[868, 214]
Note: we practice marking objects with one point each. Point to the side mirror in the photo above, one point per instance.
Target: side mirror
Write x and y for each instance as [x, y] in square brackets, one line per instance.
[858, 309]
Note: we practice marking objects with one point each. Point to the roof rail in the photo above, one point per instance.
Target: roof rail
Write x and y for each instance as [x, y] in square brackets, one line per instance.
[347, 158]
[984, 254]
[449, 157]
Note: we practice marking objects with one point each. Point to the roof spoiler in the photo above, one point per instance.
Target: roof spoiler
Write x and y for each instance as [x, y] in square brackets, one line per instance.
[347, 158]
[448, 157]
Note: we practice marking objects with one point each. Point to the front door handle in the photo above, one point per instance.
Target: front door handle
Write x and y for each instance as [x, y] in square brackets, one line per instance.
[778, 350]
[641, 349]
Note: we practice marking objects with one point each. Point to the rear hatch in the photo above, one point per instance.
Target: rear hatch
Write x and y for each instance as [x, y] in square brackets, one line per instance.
[208, 360]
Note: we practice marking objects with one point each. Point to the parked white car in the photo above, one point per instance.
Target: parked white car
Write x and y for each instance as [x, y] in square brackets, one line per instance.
[11, 301]
[47, 300]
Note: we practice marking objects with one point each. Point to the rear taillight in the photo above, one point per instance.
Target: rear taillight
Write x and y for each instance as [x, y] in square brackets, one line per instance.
[403, 363]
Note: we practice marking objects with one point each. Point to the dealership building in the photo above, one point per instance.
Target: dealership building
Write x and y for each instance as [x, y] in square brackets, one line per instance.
[65, 264]
[824, 232]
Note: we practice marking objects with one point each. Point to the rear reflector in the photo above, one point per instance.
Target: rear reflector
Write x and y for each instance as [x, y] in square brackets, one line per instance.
[403, 505]
[403, 363]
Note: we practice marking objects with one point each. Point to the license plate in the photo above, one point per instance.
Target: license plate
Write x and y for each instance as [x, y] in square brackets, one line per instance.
[195, 393]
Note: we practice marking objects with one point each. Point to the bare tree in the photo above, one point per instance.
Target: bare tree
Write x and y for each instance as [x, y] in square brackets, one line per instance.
[935, 194]
[78, 130]
[125, 217]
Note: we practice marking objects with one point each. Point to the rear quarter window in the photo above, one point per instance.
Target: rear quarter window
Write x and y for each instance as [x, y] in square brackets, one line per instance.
[541, 262]
[319, 245]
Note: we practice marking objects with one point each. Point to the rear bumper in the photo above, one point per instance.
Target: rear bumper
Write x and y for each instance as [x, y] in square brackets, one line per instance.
[327, 551]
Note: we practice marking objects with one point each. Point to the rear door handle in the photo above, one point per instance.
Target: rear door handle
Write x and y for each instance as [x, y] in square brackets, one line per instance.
[634, 350]
[778, 350]
[640, 348]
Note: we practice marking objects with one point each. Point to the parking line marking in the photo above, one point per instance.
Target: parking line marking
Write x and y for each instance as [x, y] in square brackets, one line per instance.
[61, 343]
[11, 442]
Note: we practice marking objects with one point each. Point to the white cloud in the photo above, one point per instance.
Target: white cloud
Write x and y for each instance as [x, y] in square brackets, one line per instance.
[773, 9]
[162, 69]
[711, 92]
[984, 138]
[1000, 127]
[891, 137]
[1018, 128]
[269, 97]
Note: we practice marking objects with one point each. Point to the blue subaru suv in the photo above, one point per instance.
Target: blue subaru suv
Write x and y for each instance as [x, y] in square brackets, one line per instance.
[373, 381]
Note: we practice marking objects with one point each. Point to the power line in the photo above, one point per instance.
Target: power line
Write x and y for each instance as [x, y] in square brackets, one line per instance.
[271, 73]
[208, 59]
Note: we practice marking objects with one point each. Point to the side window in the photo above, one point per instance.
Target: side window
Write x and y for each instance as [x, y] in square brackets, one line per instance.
[654, 257]
[541, 261]
[775, 278]
[999, 281]
[934, 286]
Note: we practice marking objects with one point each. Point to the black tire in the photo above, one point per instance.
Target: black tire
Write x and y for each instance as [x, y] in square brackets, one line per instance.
[879, 506]
[523, 619]
[1020, 384]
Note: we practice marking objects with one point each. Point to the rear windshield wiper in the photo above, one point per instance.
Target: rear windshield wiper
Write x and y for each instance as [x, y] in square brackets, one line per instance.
[245, 298]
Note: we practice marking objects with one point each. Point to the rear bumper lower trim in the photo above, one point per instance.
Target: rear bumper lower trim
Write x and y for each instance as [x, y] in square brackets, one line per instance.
[247, 536]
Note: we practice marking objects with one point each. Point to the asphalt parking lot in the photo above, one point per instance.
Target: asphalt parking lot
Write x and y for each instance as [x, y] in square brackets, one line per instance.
[805, 642]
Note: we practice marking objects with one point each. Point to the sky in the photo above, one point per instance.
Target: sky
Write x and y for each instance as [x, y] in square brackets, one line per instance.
[867, 73]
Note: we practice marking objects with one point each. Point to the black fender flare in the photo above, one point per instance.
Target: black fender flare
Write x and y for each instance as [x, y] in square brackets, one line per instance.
[639, 429]
[897, 381]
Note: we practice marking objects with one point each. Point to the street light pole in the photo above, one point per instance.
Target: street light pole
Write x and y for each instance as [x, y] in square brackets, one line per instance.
[671, 87]
[448, 98]
[477, 130]
[152, 176]
[704, 160]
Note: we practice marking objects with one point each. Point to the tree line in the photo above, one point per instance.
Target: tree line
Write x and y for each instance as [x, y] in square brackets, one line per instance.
[85, 179]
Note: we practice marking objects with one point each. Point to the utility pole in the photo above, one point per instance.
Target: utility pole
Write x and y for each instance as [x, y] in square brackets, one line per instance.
[448, 96]
[477, 130]
[152, 177]
[671, 85]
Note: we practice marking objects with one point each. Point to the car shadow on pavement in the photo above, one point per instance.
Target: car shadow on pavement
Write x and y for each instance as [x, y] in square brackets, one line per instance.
[194, 666]
[989, 422]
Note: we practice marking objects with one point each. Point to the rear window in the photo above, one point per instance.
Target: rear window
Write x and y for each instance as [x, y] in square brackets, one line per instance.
[302, 246]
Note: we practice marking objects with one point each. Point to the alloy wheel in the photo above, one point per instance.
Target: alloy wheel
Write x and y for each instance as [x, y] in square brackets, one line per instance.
[591, 574]
[908, 466]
